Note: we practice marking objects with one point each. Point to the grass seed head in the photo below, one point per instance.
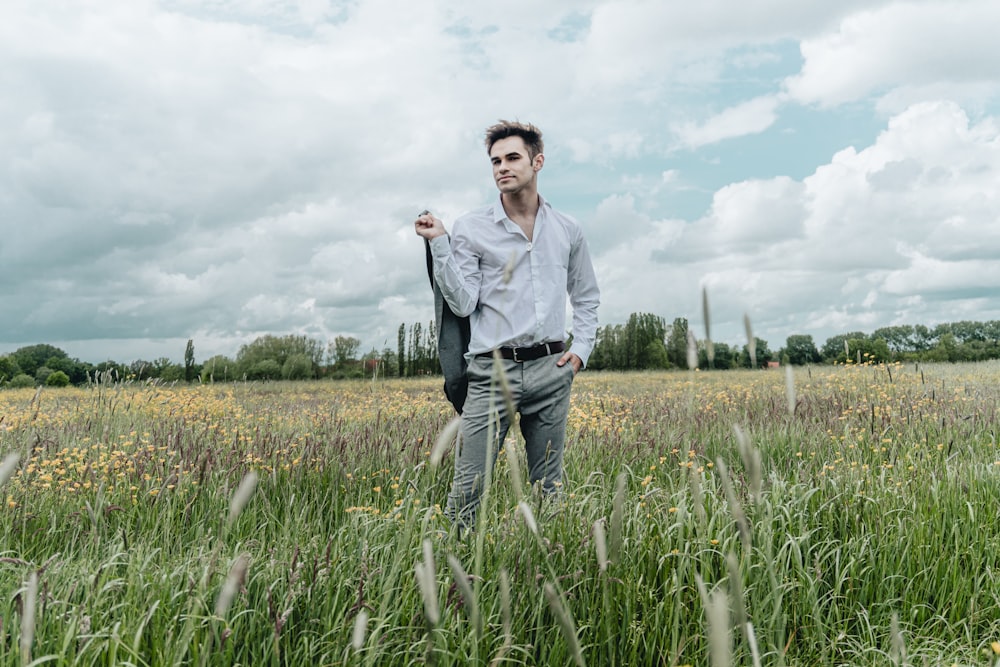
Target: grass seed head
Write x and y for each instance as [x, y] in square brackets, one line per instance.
[508, 269]
[428, 550]
[28, 616]
[898, 650]
[428, 591]
[242, 496]
[600, 545]
[8, 467]
[234, 581]
[692, 351]
[505, 605]
[449, 434]
[529, 517]
[790, 390]
[751, 341]
[697, 497]
[427, 582]
[360, 630]
[720, 636]
[516, 479]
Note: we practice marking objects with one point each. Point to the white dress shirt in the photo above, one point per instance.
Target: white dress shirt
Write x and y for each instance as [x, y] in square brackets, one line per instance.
[514, 290]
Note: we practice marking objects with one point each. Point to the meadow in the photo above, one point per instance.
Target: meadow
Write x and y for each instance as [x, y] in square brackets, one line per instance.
[846, 517]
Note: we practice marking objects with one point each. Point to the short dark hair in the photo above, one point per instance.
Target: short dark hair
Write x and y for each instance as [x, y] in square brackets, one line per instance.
[531, 135]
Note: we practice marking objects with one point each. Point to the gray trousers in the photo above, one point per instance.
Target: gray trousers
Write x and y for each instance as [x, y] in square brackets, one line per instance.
[541, 395]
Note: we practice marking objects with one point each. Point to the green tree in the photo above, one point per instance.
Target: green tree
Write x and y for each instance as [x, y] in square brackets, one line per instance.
[344, 350]
[947, 348]
[140, 369]
[878, 351]
[57, 379]
[867, 349]
[171, 373]
[219, 368]
[923, 338]
[603, 355]
[33, 357]
[265, 369]
[76, 370]
[966, 331]
[677, 342]
[416, 350]
[898, 338]
[801, 350]
[277, 349]
[22, 381]
[161, 366]
[298, 367]
[833, 348]
[762, 353]
[644, 339]
[42, 374]
[390, 363]
[725, 357]
[976, 350]
[189, 370]
[9, 368]
[991, 330]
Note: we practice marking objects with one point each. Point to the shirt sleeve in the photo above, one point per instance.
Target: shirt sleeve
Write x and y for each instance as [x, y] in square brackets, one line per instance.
[456, 271]
[585, 297]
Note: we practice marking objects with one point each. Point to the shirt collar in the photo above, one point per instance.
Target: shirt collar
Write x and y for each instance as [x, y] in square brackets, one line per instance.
[499, 215]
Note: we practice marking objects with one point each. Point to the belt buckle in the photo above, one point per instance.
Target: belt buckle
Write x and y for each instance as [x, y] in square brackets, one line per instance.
[513, 352]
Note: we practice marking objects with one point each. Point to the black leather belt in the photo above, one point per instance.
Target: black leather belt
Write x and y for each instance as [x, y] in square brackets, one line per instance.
[521, 354]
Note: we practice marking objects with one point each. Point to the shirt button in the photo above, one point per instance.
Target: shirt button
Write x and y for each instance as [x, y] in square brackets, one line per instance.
[529, 246]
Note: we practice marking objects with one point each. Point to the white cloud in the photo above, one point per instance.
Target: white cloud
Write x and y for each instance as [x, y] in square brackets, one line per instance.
[607, 149]
[757, 212]
[934, 278]
[750, 117]
[944, 45]
[616, 222]
[644, 43]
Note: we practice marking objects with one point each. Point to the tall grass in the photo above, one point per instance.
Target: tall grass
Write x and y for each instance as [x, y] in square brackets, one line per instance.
[704, 519]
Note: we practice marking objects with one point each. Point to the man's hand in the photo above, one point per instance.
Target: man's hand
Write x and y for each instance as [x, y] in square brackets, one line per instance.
[573, 360]
[428, 226]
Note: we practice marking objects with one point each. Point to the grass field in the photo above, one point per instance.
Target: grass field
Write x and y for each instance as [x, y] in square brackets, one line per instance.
[705, 518]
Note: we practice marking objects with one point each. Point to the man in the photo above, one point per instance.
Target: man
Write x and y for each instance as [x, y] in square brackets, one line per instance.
[509, 267]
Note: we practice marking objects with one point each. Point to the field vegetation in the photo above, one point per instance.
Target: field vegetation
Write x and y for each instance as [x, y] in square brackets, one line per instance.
[836, 515]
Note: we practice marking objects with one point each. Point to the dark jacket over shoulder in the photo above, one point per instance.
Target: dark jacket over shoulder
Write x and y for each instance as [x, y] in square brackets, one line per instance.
[453, 335]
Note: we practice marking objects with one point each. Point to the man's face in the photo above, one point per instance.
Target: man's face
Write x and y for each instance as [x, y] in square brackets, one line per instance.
[513, 168]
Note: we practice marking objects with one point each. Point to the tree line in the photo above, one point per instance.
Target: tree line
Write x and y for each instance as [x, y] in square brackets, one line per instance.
[289, 357]
[644, 342]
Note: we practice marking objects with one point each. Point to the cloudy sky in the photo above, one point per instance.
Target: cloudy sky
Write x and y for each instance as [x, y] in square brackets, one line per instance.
[223, 169]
